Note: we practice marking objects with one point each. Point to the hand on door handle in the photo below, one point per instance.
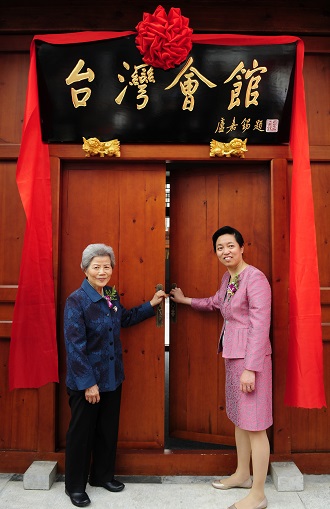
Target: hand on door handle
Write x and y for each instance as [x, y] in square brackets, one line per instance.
[177, 295]
[173, 306]
[160, 306]
[158, 297]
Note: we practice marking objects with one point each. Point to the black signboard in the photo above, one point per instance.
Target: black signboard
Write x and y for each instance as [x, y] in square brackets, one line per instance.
[103, 89]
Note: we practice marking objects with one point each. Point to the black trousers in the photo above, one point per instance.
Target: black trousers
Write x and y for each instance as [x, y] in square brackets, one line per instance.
[91, 440]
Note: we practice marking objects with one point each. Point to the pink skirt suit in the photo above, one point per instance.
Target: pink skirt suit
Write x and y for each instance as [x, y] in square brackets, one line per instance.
[245, 344]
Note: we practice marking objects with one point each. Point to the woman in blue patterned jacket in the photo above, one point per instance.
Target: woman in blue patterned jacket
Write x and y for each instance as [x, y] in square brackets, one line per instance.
[93, 317]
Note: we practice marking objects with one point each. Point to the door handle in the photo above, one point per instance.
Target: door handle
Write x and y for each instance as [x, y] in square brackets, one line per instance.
[173, 307]
[160, 309]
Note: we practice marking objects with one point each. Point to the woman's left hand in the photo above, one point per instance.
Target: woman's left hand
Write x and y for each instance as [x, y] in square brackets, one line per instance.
[157, 298]
[247, 380]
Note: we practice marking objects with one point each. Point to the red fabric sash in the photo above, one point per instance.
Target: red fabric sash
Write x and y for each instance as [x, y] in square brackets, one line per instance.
[33, 350]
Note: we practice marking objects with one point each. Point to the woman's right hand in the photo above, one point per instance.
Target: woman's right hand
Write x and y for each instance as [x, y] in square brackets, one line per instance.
[157, 298]
[92, 394]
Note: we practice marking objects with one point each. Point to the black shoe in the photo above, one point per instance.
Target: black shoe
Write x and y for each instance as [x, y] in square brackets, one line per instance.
[79, 499]
[113, 485]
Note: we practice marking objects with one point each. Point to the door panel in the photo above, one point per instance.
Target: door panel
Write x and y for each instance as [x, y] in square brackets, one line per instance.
[203, 198]
[123, 205]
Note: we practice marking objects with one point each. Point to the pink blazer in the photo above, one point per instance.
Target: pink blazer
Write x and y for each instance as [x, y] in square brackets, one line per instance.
[246, 317]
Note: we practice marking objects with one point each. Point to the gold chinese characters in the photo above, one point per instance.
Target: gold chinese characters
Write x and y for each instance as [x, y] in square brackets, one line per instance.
[188, 78]
[94, 147]
[140, 78]
[76, 76]
[235, 147]
[189, 86]
[253, 78]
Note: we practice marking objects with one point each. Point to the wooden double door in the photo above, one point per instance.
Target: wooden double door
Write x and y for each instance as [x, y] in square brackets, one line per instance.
[123, 204]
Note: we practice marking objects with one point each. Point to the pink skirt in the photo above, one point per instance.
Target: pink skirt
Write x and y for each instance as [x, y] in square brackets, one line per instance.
[249, 411]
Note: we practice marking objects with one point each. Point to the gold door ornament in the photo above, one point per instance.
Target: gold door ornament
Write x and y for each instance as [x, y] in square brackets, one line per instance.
[235, 147]
[94, 147]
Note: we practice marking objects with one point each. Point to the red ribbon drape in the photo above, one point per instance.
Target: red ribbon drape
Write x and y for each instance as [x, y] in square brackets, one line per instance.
[33, 354]
[33, 359]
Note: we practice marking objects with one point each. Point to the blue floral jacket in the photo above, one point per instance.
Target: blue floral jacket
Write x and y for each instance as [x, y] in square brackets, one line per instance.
[92, 338]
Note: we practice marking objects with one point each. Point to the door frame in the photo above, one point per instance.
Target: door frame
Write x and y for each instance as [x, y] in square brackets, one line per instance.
[214, 461]
[174, 462]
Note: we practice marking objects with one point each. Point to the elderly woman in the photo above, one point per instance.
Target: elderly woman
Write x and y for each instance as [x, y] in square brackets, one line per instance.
[92, 319]
[244, 300]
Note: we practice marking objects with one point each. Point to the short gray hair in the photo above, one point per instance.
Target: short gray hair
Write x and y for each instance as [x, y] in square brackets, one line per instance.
[93, 250]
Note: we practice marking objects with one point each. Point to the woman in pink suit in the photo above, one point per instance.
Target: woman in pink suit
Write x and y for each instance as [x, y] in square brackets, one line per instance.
[244, 300]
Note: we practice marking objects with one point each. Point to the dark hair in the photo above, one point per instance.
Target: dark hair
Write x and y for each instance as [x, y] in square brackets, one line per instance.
[227, 230]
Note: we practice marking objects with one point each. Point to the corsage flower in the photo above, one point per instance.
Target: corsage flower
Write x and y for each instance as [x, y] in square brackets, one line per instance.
[109, 296]
[164, 40]
[232, 287]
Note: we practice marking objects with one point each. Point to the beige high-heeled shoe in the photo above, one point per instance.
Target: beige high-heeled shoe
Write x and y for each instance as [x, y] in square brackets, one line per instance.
[220, 486]
[262, 505]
